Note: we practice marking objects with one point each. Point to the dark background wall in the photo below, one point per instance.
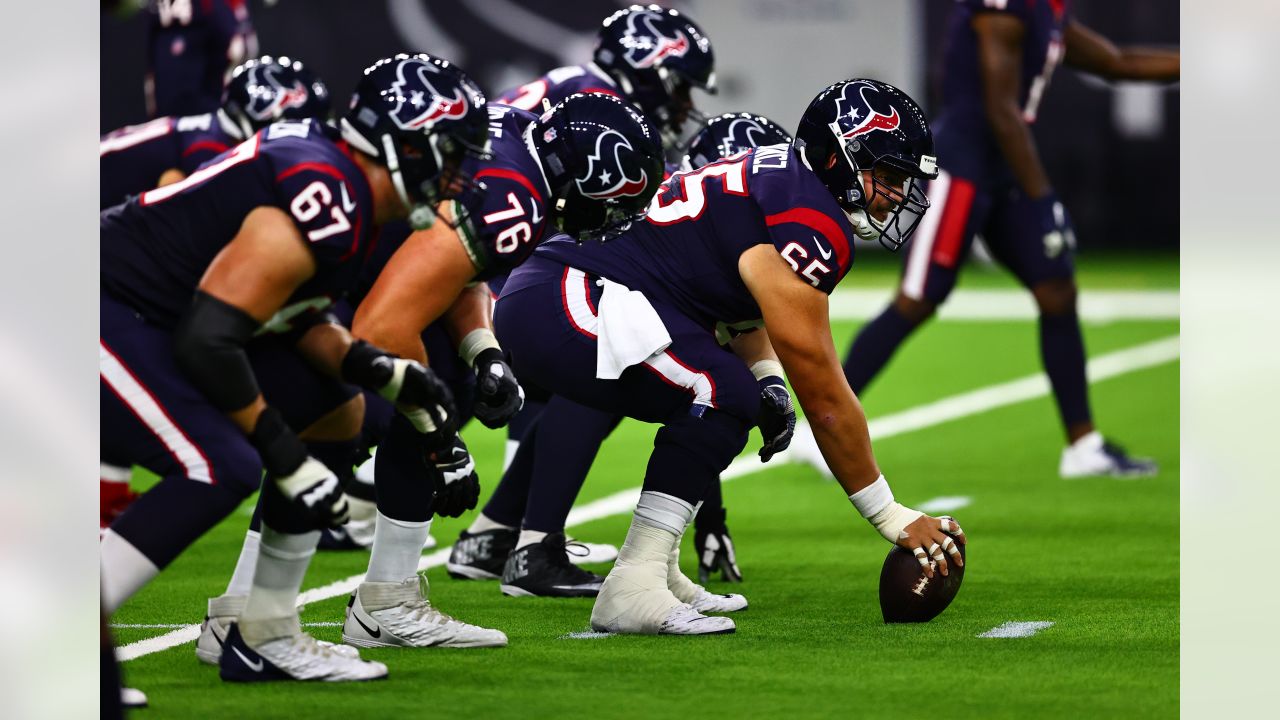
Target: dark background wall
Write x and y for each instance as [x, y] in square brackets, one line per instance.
[1111, 151]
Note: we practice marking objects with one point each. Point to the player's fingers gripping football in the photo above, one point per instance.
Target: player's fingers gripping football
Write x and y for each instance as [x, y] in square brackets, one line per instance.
[924, 538]
[317, 491]
[498, 394]
[777, 417]
[457, 484]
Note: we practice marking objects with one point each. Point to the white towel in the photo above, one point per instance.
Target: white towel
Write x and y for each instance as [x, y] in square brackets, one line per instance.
[629, 330]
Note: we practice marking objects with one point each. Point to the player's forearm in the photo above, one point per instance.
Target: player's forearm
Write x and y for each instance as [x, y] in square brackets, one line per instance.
[1152, 64]
[1016, 143]
[473, 310]
[389, 333]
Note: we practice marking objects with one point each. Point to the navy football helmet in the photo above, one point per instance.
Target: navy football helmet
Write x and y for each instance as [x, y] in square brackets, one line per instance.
[267, 89]
[656, 55]
[731, 133]
[421, 117]
[866, 126]
[603, 161]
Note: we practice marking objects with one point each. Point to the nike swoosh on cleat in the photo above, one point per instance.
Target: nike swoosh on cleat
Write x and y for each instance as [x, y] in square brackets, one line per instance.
[372, 632]
[254, 666]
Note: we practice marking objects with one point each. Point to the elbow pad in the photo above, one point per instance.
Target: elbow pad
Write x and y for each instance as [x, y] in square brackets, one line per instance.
[209, 347]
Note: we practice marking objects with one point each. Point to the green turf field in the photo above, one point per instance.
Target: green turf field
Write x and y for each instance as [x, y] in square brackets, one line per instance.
[1099, 558]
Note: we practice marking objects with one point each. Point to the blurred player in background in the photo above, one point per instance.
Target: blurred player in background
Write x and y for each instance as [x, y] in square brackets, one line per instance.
[215, 283]
[652, 57]
[999, 58]
[191, 47]
[543, 481]
[628, 327]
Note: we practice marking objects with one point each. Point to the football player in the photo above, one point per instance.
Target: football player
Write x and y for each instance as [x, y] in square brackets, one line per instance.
[586, 168]
[509, 540]
[137, 158]
[207, 281]
[191, 46]
[1000, 56]
[628, 327]
[647, 54]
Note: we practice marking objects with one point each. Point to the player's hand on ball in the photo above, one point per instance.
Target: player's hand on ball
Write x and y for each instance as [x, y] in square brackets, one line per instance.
[934, 540]
[498, 395]
[457, 484]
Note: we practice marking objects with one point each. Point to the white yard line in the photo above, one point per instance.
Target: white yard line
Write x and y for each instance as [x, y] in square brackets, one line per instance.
[1095, 306]
[1016, 629]
[935, 413]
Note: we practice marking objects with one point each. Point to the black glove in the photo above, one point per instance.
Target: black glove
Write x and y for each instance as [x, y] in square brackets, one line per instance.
[416, 390]
[457, 485]
[498, 395]
[305, 481]
[777, 416]
[715, 549]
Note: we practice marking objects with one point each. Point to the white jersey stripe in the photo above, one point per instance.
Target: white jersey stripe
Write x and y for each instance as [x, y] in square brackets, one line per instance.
[136, 397]
[922, 241]
[577, 303]
[678, 374]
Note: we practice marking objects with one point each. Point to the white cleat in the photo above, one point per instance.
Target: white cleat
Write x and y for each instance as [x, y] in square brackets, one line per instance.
[384, 614]
[223, 611]
[296, 657]
[585, 553]
[132, 697]
[684, 620]
[709, 602]
[804, 450]
[1093, 456]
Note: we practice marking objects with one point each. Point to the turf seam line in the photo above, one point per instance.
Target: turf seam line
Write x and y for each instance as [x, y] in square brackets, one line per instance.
[975, 402]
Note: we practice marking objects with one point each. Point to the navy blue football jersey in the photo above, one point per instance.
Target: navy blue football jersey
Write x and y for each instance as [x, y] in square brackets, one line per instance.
[507, 218]
[558, 85]
[156, 247]
[961, 131]
[132, 159]
[685, 252]
[191, 44]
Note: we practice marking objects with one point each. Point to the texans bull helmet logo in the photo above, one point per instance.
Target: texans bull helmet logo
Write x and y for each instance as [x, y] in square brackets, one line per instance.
[268, 97]
[741, 133]
[646, 44]
[607, 169]
[850, 111]
[418, 104]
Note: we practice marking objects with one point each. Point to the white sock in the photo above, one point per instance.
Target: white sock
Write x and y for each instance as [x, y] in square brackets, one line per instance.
[1086, 443]
[512, 447]
[242, 577]
[397, 547]
[529, 537]
[272, 608]
[124, 570]
[483, 523]
[364, 473]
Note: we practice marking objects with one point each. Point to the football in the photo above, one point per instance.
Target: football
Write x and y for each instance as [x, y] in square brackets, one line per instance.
[907, 595]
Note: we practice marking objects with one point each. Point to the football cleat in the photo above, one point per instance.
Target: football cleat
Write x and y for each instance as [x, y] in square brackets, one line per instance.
[223, 611]
[132, 697]
[585, 553]
[481, 556]
[296, 657]
[1092, 456]
[543, 569]
[685, 620]
[385, 614]
[708, 602]
[804, 450]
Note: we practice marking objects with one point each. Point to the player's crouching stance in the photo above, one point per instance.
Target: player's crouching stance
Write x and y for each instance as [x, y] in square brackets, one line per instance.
[765, 235]
[275, 228]
[586, 167]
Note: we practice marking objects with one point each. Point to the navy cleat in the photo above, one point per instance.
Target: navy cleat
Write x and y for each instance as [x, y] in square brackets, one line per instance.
[1092, 456]
[481, 556]
[543, 569]
[295, 657]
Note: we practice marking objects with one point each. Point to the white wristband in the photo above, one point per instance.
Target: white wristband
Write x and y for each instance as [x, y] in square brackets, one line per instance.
[476, 342]
[762, 369]
[875, 503]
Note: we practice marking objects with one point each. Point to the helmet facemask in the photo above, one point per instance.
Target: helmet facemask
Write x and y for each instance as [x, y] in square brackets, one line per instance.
[894, 181]
[428, 169]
